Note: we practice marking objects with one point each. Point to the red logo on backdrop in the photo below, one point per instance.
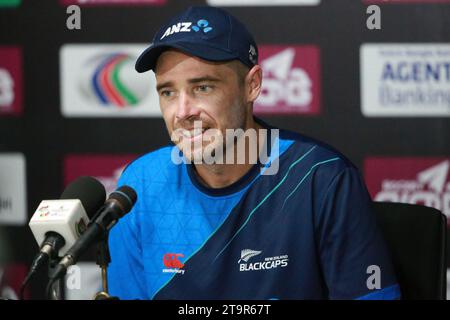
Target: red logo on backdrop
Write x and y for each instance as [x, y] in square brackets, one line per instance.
[291, 80]
[424, 181]
[11, 278]
[105, 168]
[171, 260]
[113, 2]
[10, 81]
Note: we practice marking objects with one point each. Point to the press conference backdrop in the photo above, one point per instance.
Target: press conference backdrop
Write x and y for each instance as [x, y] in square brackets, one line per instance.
[380, 95]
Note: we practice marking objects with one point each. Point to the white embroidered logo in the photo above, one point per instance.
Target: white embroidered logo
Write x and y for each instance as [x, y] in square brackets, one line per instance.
[247, 254]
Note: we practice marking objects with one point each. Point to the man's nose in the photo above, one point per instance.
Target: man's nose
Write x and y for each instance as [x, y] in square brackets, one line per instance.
[186, 107]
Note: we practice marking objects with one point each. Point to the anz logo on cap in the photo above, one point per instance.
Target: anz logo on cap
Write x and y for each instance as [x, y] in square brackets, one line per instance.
[202, 25]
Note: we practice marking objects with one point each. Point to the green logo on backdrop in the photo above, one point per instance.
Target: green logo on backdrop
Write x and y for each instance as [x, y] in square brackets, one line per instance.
[10, 3]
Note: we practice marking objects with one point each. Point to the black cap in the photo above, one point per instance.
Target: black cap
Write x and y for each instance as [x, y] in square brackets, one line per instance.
[206, 32]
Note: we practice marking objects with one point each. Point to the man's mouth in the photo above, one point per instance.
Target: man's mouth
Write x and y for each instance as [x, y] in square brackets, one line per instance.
[193, 133]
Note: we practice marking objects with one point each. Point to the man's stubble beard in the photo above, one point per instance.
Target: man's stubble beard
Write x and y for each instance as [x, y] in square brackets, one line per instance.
[238, 121]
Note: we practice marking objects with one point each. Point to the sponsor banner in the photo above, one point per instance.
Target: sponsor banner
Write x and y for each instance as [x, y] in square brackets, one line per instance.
[11, 278]
[105, 168]
[113, 2]
[13, 191]
[83, 281]
[424, 181]
[405, 80]
[9, 3]
[10, 81]
[100, 81]
[248, 3]
[291, 80]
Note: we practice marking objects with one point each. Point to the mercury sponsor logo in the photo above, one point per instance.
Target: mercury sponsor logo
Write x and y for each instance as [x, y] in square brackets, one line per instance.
[430, 188]
[266, 264]
[286, 83]
[423, 181]
[291, 80]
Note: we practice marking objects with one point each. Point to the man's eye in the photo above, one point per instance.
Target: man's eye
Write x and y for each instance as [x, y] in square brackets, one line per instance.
[166, 93]
[204, 88]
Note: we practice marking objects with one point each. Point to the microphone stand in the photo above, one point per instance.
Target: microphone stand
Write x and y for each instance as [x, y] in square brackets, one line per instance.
[103, 260]
[54, 292]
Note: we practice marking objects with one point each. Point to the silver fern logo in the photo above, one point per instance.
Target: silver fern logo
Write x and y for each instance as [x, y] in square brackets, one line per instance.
[247, 254]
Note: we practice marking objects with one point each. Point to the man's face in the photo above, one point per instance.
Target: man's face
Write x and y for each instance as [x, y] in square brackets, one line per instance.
[191, 90]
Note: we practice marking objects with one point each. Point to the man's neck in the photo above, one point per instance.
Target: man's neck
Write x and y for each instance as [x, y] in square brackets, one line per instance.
[223, 175]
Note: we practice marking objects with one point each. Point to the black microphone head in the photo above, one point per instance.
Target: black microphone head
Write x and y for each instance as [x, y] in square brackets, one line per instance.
[126, 196]
[89, 191]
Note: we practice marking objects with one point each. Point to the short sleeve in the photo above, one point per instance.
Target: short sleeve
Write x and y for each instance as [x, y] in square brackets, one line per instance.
[354, 258]
[126, 272]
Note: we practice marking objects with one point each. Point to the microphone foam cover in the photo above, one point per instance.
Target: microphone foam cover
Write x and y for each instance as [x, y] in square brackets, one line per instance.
[89, 191]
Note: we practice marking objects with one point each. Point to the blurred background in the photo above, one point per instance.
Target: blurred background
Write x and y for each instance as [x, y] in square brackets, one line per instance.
[371, 78]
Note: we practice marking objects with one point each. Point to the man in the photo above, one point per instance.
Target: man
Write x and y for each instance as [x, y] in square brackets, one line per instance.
[295, 224]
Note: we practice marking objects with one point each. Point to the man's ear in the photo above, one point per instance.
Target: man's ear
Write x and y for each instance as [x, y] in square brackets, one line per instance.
[253, 82]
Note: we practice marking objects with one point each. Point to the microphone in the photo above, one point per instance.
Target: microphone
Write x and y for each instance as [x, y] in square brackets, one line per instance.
[116, 206]
[57, 224]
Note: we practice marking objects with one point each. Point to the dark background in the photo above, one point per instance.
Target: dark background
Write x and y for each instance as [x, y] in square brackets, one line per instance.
[337, 27]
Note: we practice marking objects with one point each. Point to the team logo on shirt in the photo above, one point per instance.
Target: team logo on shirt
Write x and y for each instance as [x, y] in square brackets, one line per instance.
[247, 254]
[266, 264]
[172, 263]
